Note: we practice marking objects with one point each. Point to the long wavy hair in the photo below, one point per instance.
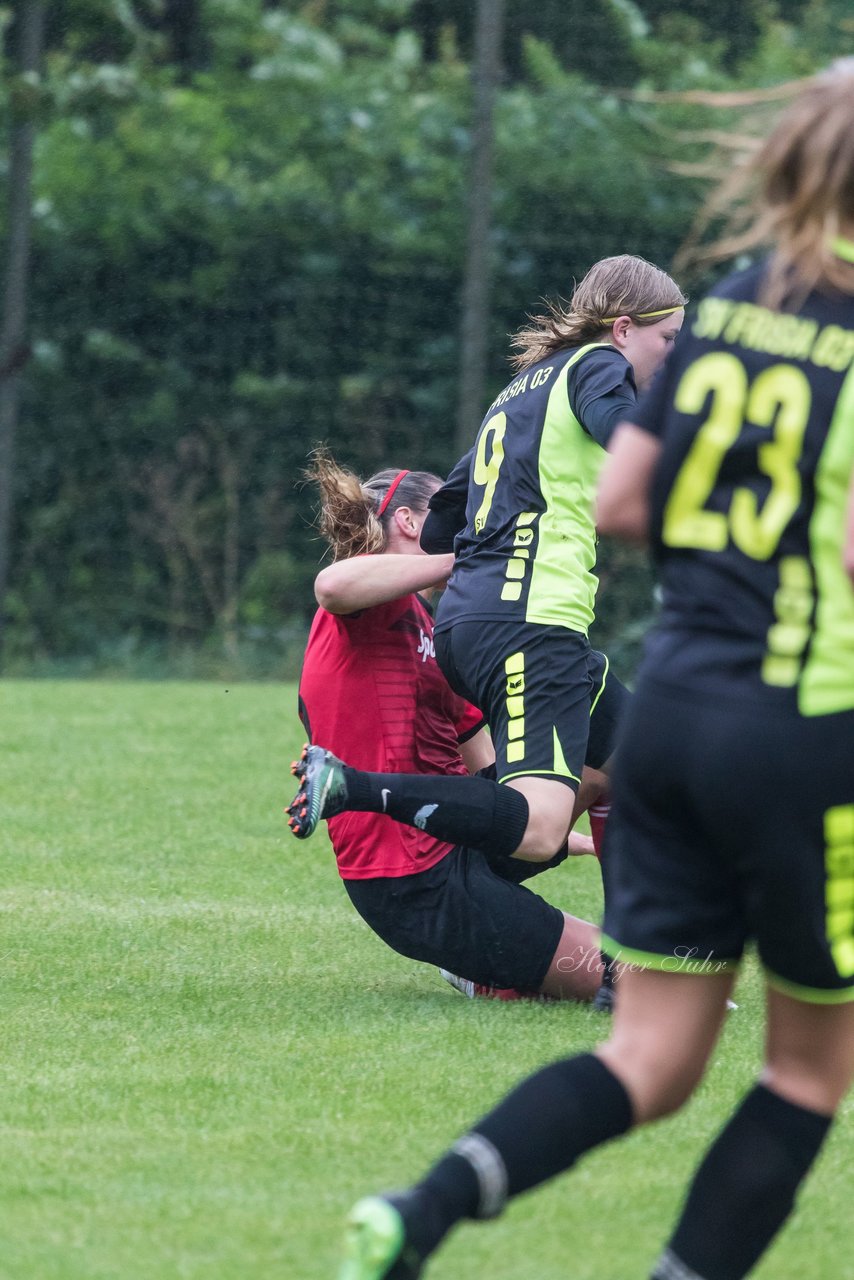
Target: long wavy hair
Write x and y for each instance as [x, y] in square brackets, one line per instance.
[619, 286]
[349, 516]
[794, 193]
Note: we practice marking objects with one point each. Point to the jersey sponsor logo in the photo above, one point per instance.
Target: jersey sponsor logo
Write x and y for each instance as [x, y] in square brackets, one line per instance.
[426, 647]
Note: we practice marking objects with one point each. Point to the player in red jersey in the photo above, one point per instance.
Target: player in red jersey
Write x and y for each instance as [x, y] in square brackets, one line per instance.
[371, 689]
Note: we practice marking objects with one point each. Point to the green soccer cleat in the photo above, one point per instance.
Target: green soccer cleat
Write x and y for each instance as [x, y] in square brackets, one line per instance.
[322, 792]
[375, 1244]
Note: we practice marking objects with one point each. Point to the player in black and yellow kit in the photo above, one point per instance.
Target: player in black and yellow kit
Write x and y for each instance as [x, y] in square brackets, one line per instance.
[734, 785]
[512, 625]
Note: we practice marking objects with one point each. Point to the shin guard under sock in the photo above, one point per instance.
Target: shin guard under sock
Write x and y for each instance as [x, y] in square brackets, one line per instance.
[744, 1189]
[538, 1131]
[460, 809]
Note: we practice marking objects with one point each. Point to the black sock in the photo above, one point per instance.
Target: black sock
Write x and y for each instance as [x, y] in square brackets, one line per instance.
[460, 809]
[538, 1131]
[744, 1190]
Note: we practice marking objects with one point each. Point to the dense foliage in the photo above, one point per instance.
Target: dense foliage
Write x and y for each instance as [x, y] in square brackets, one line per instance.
[249, 227]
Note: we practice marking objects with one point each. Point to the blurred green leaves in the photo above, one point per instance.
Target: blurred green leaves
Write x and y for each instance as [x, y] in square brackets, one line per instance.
[248, 237]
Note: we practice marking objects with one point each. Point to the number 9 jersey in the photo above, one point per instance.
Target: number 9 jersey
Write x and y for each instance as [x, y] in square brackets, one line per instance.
[755, 411]
[528, 549]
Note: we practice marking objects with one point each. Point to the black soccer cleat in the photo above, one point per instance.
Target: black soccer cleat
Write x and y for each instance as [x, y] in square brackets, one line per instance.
[604, 1000]
[322, 792]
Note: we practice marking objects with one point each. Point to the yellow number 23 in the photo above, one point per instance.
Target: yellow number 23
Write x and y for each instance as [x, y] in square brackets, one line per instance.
[779, 399]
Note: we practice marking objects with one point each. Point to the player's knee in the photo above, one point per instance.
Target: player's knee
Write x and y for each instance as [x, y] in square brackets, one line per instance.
[542, 847]
[817, 1087]
[668, 1094]
[537, 852]
[658, 1086]
[546, 833]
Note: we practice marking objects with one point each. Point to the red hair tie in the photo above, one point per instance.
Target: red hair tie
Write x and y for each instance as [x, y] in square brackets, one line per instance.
[390, 491]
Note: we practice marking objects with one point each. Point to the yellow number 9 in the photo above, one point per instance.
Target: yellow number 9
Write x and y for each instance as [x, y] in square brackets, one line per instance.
[485, 472]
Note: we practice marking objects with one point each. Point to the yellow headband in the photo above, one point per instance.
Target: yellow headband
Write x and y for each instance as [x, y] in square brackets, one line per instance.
[645, 315]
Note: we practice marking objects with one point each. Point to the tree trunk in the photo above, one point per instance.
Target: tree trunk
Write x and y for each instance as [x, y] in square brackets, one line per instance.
[229, 477]
[29, 33]
[183, 22]
[486, 70]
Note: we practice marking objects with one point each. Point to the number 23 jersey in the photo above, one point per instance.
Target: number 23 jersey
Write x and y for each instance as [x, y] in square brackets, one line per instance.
[755, 410]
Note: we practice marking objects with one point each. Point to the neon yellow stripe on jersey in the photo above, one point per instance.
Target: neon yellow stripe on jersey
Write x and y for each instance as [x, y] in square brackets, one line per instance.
[563, 585]
[827, 683]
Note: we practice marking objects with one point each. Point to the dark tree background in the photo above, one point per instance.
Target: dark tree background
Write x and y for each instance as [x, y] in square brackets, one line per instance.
[249, 228]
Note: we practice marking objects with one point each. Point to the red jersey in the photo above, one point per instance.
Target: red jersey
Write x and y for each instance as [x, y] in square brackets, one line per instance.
[372, 692]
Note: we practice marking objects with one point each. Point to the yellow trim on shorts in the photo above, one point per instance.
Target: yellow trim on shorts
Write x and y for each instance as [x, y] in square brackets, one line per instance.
[702, 966]
[809, 995]
[541, 773]
[602, 685]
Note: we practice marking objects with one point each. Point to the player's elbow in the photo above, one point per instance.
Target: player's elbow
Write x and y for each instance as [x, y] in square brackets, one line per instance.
[331, 591]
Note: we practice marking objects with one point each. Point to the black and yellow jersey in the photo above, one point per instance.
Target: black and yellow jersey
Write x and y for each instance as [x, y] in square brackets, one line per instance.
[755, 410]
[527, 550]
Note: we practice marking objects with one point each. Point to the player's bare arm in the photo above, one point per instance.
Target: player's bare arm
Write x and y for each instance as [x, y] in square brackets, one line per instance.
[622, 503]
[478, 752]
[364, 581]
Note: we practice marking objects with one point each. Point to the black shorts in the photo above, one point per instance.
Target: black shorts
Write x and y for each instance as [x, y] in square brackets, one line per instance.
[733, 823]
[550, 701]
[609, 699]
[463, 914]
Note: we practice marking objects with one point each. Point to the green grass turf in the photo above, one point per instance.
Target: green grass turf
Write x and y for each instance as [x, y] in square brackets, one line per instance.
[205, 1056]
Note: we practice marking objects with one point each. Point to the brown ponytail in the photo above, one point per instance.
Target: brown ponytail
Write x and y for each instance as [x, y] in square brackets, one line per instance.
[794, 192]
[354, 516]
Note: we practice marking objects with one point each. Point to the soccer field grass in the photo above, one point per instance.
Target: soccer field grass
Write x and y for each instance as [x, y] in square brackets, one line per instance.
[206, 1056]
